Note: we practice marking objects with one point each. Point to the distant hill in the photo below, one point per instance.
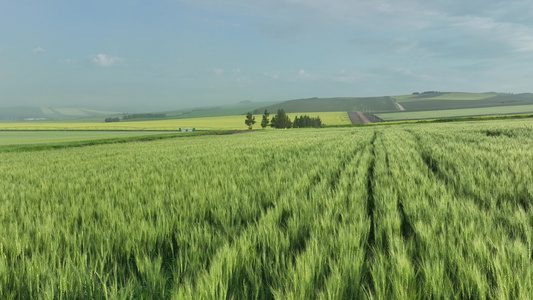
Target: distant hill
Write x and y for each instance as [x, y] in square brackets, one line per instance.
[400, 107]
[445, 101]
[240, 108]
[94, 113]
[457, 104]
[368, 104]
[51, 113]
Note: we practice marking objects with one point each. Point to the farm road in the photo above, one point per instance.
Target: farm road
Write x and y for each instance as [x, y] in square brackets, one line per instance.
[357, 117]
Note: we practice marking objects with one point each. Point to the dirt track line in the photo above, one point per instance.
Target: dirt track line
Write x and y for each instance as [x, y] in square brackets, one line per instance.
[370, 210]
[363, 118]
[400, 107]
[357, 117]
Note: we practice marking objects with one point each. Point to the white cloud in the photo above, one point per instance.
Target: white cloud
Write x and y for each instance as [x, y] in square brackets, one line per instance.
[273, 75]
[218, 71]
[106, 60]
[306, 75]
[409, 72]
[243, 81]
[37, 50]
[518, 38]
[347, 79]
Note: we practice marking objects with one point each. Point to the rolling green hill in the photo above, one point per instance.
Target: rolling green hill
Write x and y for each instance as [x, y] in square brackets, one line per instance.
[240, 108]
[445, 101]
[51, 113]
[424, 105]
[369, 104]
[20, 113]
[462, 112]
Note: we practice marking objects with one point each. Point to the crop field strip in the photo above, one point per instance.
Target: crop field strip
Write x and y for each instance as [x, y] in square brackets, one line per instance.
[53, 140]
[410, 211]
[448, 113]
[20, 138]
[205, 123]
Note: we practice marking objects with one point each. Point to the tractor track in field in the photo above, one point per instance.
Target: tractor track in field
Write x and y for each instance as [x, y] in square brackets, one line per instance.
[435, 168]
[298, 244]
[407, 229]
[266, 208]
[334, 185]
[370, 210]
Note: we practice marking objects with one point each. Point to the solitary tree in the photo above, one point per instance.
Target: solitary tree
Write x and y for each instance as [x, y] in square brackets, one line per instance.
[265, 121]
[250, 120]
[281, 120]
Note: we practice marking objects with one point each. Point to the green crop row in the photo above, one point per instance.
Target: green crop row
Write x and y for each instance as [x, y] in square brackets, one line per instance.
[408, 211]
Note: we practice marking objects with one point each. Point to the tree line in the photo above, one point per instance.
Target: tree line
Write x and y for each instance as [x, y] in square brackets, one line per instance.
[111, 119]
[143, 116]
[136, 116]
[281, 120]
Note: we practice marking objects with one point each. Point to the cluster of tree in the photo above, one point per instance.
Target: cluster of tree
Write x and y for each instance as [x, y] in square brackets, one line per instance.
[110, 119]
[143, 116]
[306, 121]
[281, 120]
[426, 92]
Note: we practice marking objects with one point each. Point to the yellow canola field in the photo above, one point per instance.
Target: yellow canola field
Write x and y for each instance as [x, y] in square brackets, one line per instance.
[209, 123]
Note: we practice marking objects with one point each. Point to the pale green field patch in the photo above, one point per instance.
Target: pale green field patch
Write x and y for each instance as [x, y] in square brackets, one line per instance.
[464, 96]
[456, 112]
[68, 111]
[446, 96]
[48, 111]
[102, 112]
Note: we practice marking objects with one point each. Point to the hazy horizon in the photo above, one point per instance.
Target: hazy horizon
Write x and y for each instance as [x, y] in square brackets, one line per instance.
[185, 53]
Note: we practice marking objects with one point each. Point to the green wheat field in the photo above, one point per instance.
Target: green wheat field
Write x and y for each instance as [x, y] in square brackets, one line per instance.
[412, 211]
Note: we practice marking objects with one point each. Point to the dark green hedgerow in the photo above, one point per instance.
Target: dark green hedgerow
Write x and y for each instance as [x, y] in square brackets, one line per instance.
[140, 138]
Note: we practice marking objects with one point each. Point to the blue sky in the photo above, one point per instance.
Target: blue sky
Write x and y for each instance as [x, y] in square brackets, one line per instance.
[186, 53]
